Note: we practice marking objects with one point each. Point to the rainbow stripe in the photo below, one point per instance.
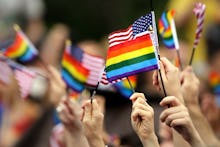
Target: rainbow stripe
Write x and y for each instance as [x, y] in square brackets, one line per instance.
[165, 29]
[73, 73]
[214, 81]
[123, 87]
[21, 49]
[131, 57]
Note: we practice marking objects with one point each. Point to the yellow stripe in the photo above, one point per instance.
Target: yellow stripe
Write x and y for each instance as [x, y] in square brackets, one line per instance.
[167, 34]
[20, 51]
[130, 55]
[73, 71]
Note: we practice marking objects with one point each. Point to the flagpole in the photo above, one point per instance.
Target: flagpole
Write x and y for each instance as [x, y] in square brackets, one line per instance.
[94, 92]
[192, 55]
[179, 59]
[157, 50]
[129, 82]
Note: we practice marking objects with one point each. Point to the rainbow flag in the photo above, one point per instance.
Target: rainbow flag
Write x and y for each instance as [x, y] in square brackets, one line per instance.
[131, 57]
[123, 87]
[167, 30]
[214, 81]
[73, 73]
[21, 49]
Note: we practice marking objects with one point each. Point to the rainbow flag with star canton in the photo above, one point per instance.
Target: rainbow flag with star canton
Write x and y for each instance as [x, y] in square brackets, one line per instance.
[131, 50]
[73, 72]
[21, 49]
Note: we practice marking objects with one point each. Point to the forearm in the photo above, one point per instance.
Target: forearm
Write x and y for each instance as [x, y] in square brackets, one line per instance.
[75, 139]
[202, 126]
[150, 141]
[96, 141]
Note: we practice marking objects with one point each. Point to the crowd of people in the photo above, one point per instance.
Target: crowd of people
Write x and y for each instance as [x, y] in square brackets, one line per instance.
[187, 114]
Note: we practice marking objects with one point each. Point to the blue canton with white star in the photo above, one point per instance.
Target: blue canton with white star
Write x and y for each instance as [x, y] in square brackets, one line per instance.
[142, 24]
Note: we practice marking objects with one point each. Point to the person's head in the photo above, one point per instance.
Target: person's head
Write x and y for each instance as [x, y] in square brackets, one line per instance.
[213, 46]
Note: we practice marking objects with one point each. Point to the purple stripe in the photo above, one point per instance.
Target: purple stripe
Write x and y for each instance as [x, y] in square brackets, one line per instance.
[133, 73]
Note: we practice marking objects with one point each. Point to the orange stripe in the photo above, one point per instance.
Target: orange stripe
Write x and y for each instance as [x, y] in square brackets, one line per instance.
[76, 64]
[15, 46]
[129, 46]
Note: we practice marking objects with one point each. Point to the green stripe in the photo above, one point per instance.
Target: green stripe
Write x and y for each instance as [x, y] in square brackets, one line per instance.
[130, 62]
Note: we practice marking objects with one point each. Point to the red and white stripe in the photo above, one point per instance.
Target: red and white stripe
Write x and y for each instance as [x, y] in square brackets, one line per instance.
[120, 36]
[199, 11]
[25, 78]
[106, 82]
[95, 66]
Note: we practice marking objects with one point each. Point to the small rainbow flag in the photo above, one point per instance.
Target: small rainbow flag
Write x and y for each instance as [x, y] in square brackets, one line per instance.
[123, 87]
[214, 81]
[131, 57]
[167, 30]
[21, 49]
[73, 73]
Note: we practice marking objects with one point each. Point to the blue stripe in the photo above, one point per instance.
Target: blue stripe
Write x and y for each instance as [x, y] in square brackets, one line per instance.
[169, 43]
[164, 20]
[71, 82]
[133, 67]
[123, 90]
[27, 56]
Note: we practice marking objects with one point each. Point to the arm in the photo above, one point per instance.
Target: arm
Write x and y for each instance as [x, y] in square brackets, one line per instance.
[177, 117]
[190, 89]
[69, 113]
[93, 123]
[142, 120]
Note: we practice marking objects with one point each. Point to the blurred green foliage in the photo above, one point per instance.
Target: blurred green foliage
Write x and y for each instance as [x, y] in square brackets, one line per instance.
[93, 19]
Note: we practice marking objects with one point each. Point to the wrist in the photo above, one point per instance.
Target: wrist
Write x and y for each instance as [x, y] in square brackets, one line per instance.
[96, 141]
[151, 140]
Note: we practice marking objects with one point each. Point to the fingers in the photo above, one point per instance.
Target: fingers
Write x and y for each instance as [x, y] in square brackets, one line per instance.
[137, 95]
[168, 117]
[56, 76]
[171, 101]
[168, 66]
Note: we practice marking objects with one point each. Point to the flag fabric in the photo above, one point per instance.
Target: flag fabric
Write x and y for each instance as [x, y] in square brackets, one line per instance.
[91, 62]
[199, 11]
[73, 72]
[21, 49]
[124, 88]
[214, 81]
[131, 57]
[24, 77]
[131, 51]
[167, 30]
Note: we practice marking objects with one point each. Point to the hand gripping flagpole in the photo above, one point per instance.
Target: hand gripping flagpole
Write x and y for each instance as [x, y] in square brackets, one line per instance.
[199, 11]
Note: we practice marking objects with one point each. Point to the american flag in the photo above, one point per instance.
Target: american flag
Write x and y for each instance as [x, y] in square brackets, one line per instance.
[93, 63]
[25, 79]
[106, 82]
[139, 27]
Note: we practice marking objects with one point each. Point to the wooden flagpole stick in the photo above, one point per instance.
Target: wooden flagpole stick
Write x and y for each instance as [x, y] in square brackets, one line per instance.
[192, 55]
[129, 82]
[161, 79]
[94, 92]
[179, 59]
[157, 50]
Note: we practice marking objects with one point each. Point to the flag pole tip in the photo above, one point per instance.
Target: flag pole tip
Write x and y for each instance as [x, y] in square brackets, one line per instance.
[17, 27]
[68, 42]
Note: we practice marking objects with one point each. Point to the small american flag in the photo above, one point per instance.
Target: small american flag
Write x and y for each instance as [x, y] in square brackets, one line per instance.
[93, 63]
[25, 78]
[139, 27]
